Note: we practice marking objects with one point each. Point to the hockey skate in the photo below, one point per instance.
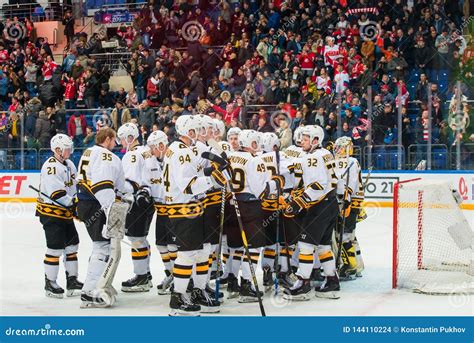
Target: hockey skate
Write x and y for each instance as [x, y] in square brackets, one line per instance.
[347, 274]
[97, 299]
[267, 278]
[139, 283]
[73, 286]
[284, 280]
[181, 305]
[247, 293]
[300, 291]
[53, 290]
[316, 277]
[150, 280]
[233, 288]
[207, 302]
[165, 286]
[212, 293]
[329, 289]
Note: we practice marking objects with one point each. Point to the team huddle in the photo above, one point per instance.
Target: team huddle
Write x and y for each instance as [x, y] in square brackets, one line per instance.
[221, 206]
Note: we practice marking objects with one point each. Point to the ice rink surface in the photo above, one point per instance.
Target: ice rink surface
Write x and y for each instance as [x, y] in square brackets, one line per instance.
[22, 247]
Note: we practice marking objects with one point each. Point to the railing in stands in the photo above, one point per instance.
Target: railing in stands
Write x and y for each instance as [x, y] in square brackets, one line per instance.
[54, 11]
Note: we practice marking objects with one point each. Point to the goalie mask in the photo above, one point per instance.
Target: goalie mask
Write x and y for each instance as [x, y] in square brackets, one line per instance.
[343, 147]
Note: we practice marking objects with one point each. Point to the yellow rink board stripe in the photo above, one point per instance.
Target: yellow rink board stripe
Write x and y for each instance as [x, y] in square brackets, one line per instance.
[469, 207]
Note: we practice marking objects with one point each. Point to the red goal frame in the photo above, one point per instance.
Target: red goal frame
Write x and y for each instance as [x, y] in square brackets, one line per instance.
[395, 229]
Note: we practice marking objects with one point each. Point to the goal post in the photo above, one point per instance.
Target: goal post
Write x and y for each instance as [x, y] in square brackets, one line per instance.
[432, 240]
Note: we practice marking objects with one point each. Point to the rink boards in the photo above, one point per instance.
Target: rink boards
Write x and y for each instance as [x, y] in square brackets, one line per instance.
[14, 185]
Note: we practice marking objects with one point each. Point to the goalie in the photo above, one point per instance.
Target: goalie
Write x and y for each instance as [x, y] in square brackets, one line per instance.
[101, 180]
[351, 200]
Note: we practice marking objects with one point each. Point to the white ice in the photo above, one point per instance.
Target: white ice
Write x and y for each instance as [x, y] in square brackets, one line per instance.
[22, 279]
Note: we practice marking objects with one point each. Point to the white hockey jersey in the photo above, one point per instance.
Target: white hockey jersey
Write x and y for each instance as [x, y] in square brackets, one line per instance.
[183, 179]
[249, 174]
[356, 193]
[293, 179]
[101, 173]
[151, 176]
[133, 164]
[319, 176]
[57, 181]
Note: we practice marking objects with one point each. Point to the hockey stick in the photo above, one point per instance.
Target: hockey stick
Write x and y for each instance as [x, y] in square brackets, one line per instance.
[219, 247]
[48, 197]
[366, 181]
[341, 233]
[68, 208]
[276, 265]
[215, 158]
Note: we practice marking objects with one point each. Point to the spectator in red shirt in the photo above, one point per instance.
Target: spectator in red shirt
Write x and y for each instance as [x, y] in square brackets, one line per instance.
[76, 128]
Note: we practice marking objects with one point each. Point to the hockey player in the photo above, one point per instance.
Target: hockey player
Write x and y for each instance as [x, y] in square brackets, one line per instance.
[101, 180]
[352, 198]
[211, 199]
[152, 174]
[233, 138]
[219, 129]
[183, 183]
[270, 205]
[319, 199]
[55, 210]
[249, 181]
[140, 216]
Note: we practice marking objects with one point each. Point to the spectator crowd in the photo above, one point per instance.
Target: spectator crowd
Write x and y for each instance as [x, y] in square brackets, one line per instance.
[265, 65]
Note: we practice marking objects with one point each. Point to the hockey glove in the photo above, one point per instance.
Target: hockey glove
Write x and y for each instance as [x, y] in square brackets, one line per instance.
[346, 205]
[143, 199]
[295, 206]
[218, 178]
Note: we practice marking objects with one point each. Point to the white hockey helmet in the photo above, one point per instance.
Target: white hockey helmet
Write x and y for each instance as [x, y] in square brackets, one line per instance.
[270, 140]
[247, 137]
[297, 135]
[125, 131]
[186, 123]
[233, 131]
[205, 123]
[313, 131]
[157, 137]
[63, 142]
[219, 128]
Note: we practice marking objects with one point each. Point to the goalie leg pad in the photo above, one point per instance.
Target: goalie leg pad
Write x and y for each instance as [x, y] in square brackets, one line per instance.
[116, 219]
[97, 264]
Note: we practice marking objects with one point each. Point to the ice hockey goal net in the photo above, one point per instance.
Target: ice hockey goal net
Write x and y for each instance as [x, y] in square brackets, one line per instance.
[432, 240]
